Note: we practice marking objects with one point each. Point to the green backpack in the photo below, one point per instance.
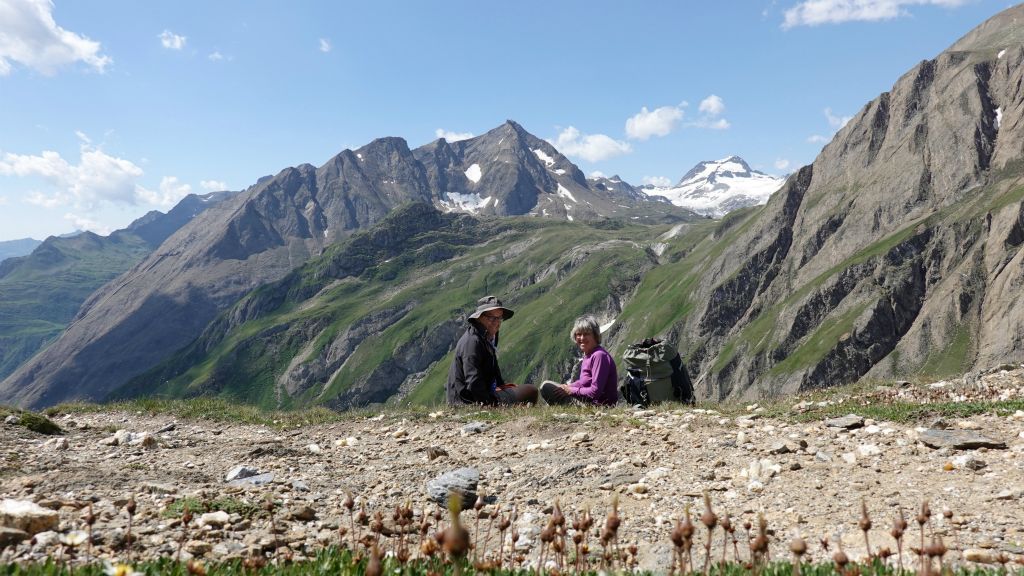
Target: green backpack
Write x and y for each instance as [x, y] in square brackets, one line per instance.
[654, 373]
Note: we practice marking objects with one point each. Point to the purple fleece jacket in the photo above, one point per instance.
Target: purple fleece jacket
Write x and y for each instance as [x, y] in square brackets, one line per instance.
[598, 379]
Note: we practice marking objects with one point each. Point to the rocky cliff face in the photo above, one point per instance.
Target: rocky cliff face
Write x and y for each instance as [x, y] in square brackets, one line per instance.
[896, 252]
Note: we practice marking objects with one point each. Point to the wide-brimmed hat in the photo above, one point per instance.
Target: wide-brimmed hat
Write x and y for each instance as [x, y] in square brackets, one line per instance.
[491, 303]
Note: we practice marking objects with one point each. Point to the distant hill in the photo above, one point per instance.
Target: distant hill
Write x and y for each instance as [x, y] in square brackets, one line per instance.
[41, 292]
[12, 248]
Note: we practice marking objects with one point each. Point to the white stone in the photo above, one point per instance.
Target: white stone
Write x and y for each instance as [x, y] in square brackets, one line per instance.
[658, 473]
[868, 450]
[313, 448]
[214, 519]
[27, 516]
[849, 457]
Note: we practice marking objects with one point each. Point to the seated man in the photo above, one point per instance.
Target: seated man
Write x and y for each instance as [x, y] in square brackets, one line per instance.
[474, 376]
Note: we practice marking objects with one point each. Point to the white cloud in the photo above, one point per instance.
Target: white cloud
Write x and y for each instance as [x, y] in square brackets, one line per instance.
[781, 164]
[817, 139]
[83, 223]
[590, 147]
[452, 136]
[97, 179]
[712, 124]
[29, 36]
[3, 200]
[834, 121]
[170, 193]
[215, 56]
[712, 106]
[172, 41]
[659, 181]
[325, 45]
[817, 12]
[657, 122]
[596, 174]
[213, 185]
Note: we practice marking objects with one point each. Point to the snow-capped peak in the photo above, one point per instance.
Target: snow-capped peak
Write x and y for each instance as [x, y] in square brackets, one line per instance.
[714, 188]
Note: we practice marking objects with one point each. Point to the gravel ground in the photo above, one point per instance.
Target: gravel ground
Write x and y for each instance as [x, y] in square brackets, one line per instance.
[808, 478]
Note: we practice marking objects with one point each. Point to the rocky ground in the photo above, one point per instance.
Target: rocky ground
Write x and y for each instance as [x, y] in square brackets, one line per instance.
[808, 478]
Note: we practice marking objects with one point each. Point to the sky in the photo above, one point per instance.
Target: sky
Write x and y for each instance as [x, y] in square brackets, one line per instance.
[112, 108]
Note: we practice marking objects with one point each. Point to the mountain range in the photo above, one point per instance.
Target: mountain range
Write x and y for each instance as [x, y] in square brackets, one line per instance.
[895, 253]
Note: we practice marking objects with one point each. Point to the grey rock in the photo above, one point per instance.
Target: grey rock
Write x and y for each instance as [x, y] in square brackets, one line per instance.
[11, 419]
[848, 422]
[257, 480]
[166, 428]
[302, 513]
[240, 472]
[462, 481]
[958, 440]
[474, 428]
[822, 456]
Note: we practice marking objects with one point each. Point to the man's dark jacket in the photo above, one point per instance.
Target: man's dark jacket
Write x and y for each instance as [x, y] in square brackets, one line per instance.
[474, 369]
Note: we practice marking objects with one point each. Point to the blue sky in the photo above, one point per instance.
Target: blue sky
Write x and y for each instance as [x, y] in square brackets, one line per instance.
[112, 108]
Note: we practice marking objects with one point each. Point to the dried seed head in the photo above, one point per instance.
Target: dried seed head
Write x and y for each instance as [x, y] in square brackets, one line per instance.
[479, 504]
[677, 535]
[373, 566]
[924, 514]
[186, 514]
[937, 549]
[556, 515]
[947, 514]
[362, 518]
[548, 533]
[377, 526]
[865, 520]
[688, 527]
[899, 526]
[613, 521]
[349, 502]
[708, 518]
[90, 518]
[727, 524]
[504, 523]
[798, 546]
[130, 507]
[196, 568]
[840, 558]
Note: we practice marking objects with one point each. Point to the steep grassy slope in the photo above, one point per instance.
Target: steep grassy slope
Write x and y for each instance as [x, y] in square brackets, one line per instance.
[375, 317]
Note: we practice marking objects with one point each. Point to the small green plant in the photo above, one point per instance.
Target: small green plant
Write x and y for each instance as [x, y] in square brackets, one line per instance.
[39, 423]
[197, 506]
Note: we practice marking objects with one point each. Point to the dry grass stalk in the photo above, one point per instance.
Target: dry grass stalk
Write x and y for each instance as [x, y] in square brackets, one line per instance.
[710, 521]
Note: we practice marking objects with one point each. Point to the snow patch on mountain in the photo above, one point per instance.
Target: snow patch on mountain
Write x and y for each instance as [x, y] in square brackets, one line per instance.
[564, 193]
[471, 203]
[544, 157]
[474, 173]
[719, 187]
